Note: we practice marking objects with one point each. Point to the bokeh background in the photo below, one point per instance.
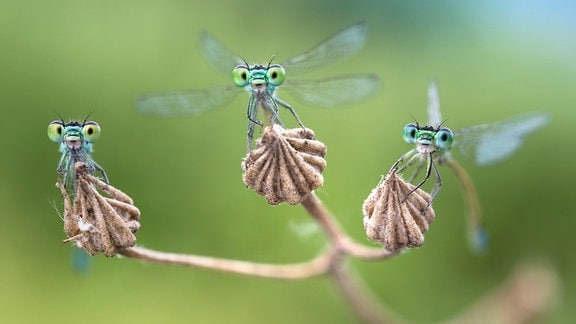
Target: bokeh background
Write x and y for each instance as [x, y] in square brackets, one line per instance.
[492, 59]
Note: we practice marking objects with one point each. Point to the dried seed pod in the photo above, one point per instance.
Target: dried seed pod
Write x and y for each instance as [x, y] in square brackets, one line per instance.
[396, 214]
[96, 223]
[286, 164]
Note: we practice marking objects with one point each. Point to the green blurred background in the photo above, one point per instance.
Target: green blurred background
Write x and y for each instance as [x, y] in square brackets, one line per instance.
[492, 59]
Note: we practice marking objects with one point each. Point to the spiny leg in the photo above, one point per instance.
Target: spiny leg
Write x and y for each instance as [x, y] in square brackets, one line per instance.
[65, 169]
[63, 166]
[287, 106]
[437, 181]
[270, 104]
[394, 167]
[417, 170]
[252, 110]
[415, 156]
[251, 126]
[99, 168]
[430, 165]
[271, 110]
[252, 122]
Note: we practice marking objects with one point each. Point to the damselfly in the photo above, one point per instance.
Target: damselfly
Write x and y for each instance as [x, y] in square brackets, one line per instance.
[76, 139]
[485, 144]
[261, 81]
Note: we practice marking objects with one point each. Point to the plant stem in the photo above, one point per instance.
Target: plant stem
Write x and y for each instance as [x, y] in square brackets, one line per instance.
[330, 261]
[312, 268]
[364, 304]
[336, 235]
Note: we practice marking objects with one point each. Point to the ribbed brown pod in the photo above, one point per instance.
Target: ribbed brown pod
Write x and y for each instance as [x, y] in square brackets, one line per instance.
[396, 214]
[95, 222]
[286, 164]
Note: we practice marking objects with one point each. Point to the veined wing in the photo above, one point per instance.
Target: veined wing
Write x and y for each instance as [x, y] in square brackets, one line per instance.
[490, 143]
[334, 91]
[433, 108]
[217, 54]
[185, 102]
[337, 46]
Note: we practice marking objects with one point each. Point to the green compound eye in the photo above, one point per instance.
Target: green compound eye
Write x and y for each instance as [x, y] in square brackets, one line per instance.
[409, 133]
[443, 138]
[55, 131]
[91, 131]
[276, 74]
[240, 75]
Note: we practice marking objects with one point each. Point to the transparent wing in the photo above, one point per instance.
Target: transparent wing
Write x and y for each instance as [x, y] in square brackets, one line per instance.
[217, 54]
[337, 46]
[185, 102]
[490, 143]
[433, 109]
[332, 91]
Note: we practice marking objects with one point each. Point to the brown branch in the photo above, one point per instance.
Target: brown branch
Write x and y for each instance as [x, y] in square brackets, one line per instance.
[320, 214]
[331, 261]
[315, 267]
[336, 235]
[360, 299]
[362, 302]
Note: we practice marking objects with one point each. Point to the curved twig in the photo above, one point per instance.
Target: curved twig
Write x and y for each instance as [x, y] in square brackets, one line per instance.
[315, 267]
